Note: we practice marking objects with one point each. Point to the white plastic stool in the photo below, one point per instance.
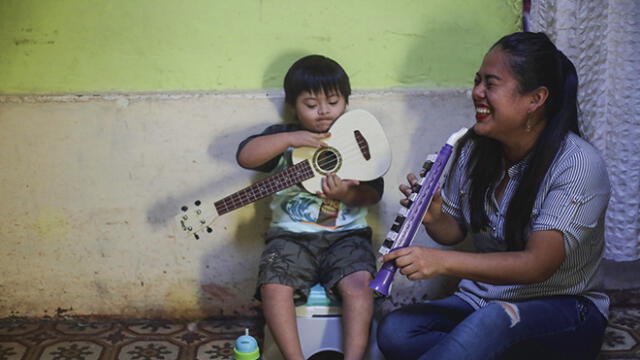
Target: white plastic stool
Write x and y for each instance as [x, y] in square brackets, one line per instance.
[319, 329]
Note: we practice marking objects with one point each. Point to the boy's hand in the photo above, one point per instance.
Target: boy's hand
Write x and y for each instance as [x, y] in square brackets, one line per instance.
[307, 138]
[333, 187]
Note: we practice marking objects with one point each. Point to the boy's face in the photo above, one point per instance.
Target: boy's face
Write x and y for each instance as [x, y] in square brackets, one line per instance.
[318, 111]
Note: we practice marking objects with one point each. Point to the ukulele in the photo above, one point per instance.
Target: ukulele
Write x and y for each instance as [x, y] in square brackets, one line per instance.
[357, 149]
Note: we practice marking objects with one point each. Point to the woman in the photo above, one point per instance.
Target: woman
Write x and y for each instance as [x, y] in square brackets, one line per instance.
[533, 195]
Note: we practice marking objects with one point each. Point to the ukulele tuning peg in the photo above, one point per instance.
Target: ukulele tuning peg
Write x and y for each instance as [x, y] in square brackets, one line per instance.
[209, 229]
[197, 203]
[196, 236]
[184, 208]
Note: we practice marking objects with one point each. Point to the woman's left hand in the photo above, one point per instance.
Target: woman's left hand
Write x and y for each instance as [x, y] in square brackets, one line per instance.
[418, 262]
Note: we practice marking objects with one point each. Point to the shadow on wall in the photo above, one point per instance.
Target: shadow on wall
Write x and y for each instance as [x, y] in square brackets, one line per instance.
[220, 290]
[166, 209]
[248, 234]
[215, 292]
[274, 77]
[217, 296]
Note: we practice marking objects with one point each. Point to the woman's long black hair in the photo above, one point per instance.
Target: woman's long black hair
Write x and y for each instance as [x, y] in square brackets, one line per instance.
[534, 61]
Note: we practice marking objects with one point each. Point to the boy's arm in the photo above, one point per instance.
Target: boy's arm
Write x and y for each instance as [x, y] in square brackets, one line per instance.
[257, 150]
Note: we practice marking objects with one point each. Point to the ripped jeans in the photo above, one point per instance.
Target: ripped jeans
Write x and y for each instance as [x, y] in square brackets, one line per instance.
[562, 327]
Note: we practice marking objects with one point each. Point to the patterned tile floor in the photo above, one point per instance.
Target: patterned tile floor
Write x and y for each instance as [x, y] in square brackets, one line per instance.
[208, 339]
[622, 337]
[143, 340]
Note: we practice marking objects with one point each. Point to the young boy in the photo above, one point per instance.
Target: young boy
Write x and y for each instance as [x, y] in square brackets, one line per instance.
[313, 238]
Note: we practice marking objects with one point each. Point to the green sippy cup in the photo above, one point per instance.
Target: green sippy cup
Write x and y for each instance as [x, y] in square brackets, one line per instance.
[246, 348]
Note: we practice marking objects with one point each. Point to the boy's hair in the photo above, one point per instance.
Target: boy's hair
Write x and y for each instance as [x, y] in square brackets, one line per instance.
[314, 73]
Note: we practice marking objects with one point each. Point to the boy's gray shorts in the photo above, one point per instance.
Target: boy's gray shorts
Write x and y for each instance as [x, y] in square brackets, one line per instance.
[301, 260]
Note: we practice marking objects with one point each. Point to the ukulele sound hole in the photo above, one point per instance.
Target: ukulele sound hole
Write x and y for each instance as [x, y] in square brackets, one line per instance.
[327, 160]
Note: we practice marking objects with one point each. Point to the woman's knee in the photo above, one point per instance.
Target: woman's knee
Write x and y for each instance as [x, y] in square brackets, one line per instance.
[392, 331]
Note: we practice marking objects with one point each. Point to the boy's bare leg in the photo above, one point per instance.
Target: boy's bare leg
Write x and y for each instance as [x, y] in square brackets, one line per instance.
[357, 310]
[280, 314]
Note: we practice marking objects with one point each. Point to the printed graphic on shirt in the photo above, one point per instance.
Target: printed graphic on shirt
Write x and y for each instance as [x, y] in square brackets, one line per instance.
[328, 212]
[296, 210]
[299, 207]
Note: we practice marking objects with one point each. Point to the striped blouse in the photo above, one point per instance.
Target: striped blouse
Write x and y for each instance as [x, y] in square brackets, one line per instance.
[572, 199]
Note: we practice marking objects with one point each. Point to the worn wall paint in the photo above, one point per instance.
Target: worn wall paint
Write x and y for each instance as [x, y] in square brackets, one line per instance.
[91, 185]
[71, 46]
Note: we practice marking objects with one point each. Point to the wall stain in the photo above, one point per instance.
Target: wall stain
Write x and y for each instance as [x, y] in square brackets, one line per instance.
[52, 224]
[218, 291]
[61, 311]
[19, 42]
[321, 38]
[411, 35]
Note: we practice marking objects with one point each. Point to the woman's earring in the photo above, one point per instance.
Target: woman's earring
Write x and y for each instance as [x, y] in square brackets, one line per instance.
[528, 123]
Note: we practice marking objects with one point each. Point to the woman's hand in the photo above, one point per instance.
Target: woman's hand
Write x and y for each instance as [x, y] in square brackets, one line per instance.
[333, 187]
[434, 213]
[307, 138]
[541, 258]
[442, 227]
[417, 262]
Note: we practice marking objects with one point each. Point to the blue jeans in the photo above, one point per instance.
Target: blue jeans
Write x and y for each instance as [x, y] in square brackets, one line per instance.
[562, 327]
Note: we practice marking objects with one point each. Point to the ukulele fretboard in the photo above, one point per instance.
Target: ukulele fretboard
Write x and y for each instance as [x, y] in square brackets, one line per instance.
[292, 175]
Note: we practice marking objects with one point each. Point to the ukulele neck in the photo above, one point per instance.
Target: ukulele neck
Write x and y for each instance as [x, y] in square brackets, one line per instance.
[290, 176]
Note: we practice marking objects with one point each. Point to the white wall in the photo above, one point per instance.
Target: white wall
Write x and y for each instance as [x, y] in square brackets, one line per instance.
[90, 187]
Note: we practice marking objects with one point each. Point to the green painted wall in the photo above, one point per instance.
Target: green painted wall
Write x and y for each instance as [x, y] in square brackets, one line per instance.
[71, 46]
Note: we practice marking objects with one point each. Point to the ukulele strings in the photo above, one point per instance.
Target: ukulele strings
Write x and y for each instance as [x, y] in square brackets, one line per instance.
[348, 154]
[242, 196]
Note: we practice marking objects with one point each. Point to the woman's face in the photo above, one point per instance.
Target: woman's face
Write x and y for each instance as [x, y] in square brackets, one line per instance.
[501, 110]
